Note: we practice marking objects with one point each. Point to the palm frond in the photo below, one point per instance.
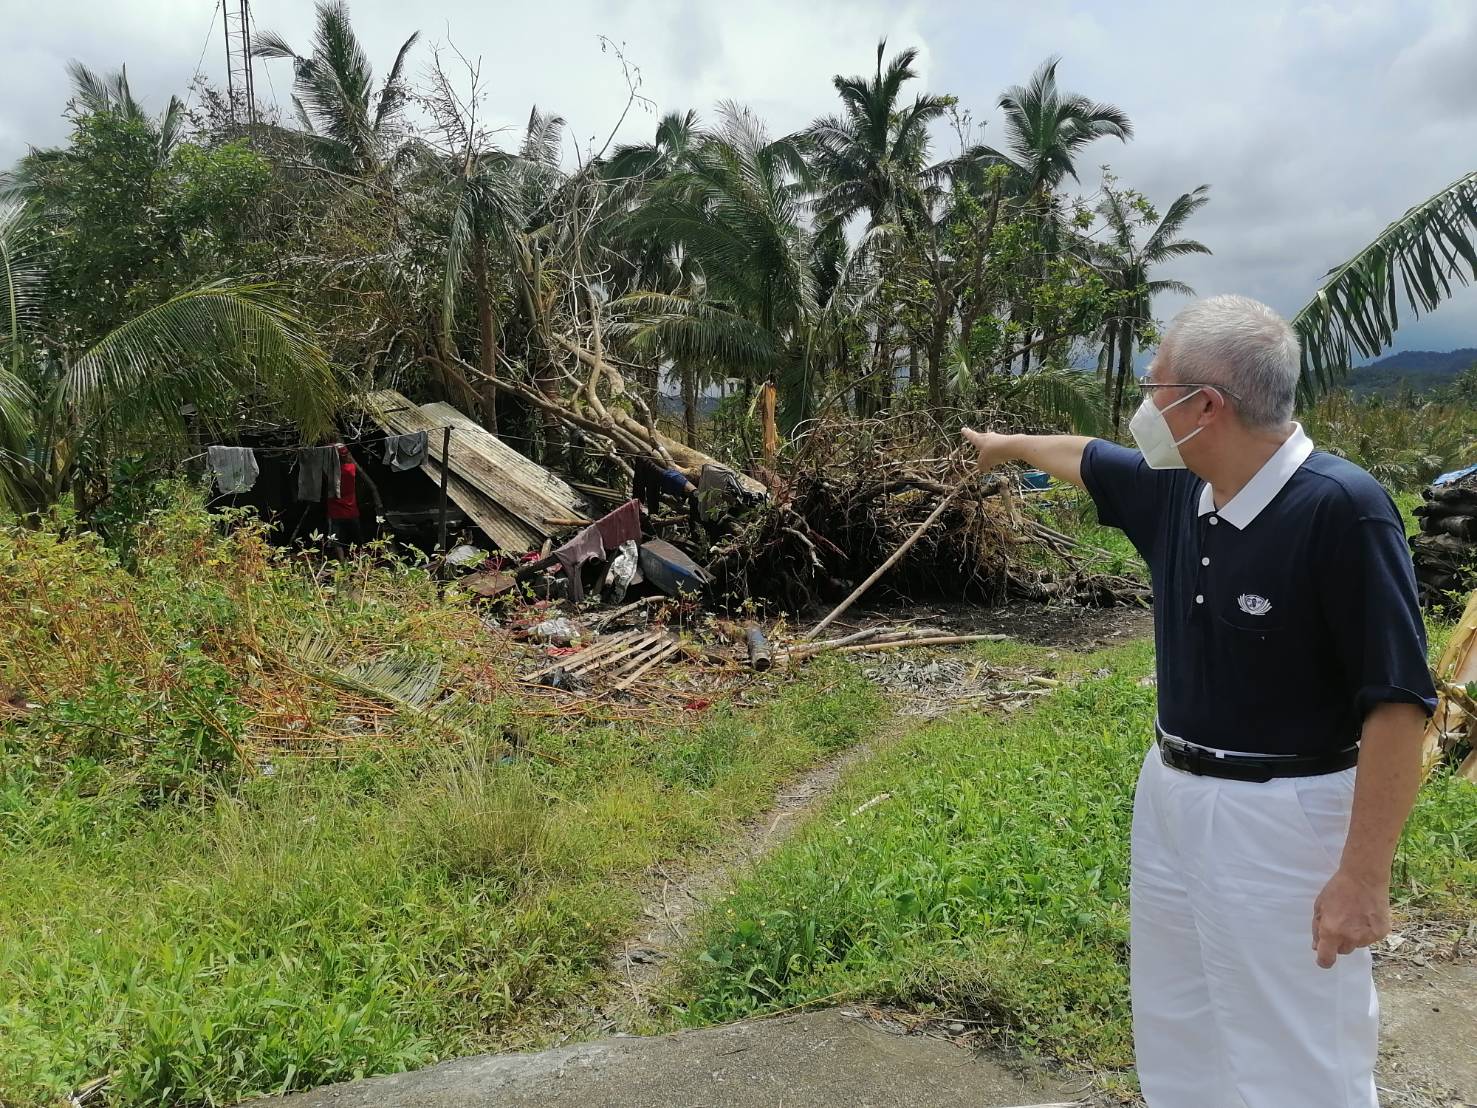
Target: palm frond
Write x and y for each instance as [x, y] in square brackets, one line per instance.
[269, 44]
[1423, 254]
[392, 96]
[1184, 206]
[171, 128]
[217, 339]
[458, 239]
[411, 687]
[22, 277]
[689, 329]
[542, 139]
[21, 285]
[1062, 394]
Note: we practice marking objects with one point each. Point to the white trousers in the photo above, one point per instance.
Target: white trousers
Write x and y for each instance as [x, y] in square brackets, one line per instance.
[1230, 1009]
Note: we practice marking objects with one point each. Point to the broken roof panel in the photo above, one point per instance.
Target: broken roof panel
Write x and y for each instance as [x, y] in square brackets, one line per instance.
[511, 498]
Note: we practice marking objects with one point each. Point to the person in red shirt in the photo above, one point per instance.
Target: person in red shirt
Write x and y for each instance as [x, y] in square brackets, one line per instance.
[343, 510]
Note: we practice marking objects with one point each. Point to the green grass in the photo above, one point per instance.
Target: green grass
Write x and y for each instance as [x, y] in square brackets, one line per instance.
[200, 933]
[326, 923]
[992, 881]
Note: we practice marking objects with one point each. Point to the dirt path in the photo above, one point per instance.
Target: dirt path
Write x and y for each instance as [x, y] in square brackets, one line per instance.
[859, 1056]
[672, 899]
[1428, 1032]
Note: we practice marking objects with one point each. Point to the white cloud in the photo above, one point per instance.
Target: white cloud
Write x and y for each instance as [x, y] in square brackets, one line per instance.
[1314, 123]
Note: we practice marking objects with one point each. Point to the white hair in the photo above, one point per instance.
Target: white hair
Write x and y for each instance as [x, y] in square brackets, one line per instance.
[1239, 343]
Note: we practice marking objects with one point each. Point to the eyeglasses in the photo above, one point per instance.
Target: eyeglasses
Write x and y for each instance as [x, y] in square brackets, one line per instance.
[1144, 385]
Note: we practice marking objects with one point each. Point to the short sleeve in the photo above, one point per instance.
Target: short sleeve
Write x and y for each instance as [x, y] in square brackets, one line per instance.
[1369, 600]
[1129, 495]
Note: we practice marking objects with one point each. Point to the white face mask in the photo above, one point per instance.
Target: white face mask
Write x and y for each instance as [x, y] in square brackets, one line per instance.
[1149, 429]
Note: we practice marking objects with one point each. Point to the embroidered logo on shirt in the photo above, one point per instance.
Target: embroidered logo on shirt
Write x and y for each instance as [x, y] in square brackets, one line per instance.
[1253, 605]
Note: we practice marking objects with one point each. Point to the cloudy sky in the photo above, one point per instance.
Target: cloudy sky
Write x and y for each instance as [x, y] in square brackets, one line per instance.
[1315, 124]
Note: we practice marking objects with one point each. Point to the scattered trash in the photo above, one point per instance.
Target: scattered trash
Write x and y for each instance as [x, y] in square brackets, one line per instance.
[559, 632]
[625, 569]
[466, 557]
[560, 678]
[672, 571]
[760, 657]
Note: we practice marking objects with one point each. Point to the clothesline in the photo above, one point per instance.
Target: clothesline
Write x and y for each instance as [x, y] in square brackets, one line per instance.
[299, 449]
[321, 470]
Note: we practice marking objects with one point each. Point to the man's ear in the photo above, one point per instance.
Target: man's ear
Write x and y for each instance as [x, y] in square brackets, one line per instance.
[1213, 402]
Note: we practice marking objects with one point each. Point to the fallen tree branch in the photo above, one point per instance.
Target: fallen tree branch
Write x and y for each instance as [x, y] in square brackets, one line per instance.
[893, 559]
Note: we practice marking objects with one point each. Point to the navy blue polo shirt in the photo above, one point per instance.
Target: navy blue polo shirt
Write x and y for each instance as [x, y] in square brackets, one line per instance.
[1281, 619]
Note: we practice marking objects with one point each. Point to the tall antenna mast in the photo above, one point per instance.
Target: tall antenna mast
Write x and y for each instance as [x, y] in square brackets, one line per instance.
[240, 89]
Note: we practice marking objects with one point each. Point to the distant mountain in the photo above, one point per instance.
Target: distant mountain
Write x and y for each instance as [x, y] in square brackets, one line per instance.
[1422, 370]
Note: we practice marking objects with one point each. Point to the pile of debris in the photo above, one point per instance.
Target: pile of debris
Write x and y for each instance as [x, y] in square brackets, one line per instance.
[1451, 733]
[857, 496]
[1445, 552]
[859, 490]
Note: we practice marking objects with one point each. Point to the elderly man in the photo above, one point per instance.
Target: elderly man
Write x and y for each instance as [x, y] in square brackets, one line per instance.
[1292, 689]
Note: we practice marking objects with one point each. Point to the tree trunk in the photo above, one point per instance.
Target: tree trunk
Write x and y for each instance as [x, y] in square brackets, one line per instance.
[935, 363]
[688, 373]
[1125, 366]
[487, 338]
[912, 364]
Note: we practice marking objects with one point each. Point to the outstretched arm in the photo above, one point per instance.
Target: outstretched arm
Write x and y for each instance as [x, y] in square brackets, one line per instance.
[1058, 455]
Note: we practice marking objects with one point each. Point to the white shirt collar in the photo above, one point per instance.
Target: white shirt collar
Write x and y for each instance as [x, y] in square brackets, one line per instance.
[1266, 483]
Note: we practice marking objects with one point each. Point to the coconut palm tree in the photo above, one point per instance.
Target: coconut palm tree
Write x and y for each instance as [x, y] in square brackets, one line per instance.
[213, 346]
[110, 94]
[870, 158]
[1424, 253]
[1126, 264]
[736, 211]
[676, 136]
[352, 127]
[1046, 129]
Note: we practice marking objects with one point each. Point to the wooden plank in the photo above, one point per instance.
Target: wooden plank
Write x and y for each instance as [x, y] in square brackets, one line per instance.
[500, 525]
[631, 677]
[497, 523]
[482, 460]
[546, 495]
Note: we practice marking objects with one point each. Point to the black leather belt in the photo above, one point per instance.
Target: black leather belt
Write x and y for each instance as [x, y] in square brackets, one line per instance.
[1203, 762]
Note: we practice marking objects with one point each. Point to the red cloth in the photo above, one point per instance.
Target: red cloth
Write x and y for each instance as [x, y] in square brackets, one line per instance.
[346, 504]
[621, 525]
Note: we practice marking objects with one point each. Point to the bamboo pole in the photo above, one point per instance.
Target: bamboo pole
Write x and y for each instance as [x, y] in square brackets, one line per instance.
[594, 651]
[946, 640]
[651, 661]
[885, 566]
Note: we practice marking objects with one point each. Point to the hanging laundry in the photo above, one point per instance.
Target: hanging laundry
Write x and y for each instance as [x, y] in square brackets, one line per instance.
[404, 452]
[620, 526]
[572, 556]
[317, 473]
[717, 487]
[646, 483]
[234, 468]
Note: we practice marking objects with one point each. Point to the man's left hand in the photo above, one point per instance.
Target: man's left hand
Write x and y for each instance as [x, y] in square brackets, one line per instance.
[1351, 912]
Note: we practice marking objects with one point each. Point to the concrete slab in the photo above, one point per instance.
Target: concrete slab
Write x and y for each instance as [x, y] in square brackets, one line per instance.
[816, 1058]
